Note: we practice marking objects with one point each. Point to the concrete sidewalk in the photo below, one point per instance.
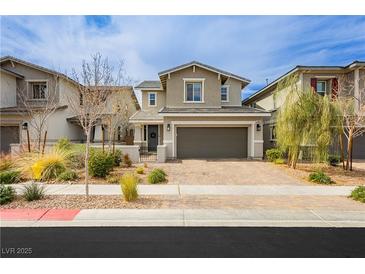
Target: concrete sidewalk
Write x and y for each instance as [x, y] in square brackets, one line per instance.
[203, 217]
[79, 189]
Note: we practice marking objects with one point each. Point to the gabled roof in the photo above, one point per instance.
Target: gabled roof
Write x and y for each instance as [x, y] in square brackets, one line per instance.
[149, 84]
[199, 64]
[268, 87]
[17, 75]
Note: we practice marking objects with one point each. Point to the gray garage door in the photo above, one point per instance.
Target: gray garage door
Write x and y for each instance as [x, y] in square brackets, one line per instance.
[359, 147]
[211, 142]
[8, 135]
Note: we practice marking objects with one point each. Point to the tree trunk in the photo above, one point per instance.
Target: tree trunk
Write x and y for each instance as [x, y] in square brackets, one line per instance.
[87, 163]
[102, 137]
[349, 150]
[39, 141]
[342, 151]
[44, 142]
[113, 142]
[28, 140]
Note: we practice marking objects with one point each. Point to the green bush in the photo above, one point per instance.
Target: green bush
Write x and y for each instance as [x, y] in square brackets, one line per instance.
[117, 156]
[156, 176]
[100, 163]
[10, 177]
[129, 186]
[7, 194]
[333, 160]
[63, 144]
[127, 162]
[358, 194]
[279, 161]
[67, 175]
[273, 154]
[33, 192]
[320, 178]
[112, 179]
[140, 170]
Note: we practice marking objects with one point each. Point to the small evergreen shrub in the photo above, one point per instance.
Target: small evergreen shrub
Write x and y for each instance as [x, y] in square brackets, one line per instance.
[100, 163]
[129, 186]
[63, 144]
[273, 154]
[6, 163]
[320, 177]
[358, 194]
[140, 170]
[127, 162]
[10, 177]
[279, 161]
[156, 176]
[333, 160]
[117, 155]
[67, 175]
[7, 194]
[112, 179]
[33, 192]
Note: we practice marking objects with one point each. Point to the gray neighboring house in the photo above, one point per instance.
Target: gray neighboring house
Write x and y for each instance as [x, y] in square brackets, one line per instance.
[18, 75]
[194, 111]
[322, 79]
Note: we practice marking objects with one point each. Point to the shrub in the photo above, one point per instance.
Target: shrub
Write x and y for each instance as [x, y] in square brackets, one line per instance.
[129, 186]
[77, 156]
[100, 163]
[145, 165]
[7, 194]
[358, 194]
[333, 160]
[10, 177]
[112, 179]
[140, 170]
[6, 162]
[279, 161]
[127, 162]
[156, 176]
[117, 156]
[63, 144]
[320, 178]
[33, 192]
[273, 154]
[67, 175]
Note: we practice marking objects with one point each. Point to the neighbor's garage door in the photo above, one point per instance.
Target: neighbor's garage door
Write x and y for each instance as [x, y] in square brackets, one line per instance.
[359, 147]
[211, 142]
[8, 135]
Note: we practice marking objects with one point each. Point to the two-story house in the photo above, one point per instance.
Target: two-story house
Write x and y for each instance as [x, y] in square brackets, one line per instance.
[321, 79]
[195, 111]
[25, 85]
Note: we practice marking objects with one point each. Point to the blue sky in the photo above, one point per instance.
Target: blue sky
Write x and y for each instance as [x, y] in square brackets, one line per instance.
[256, 47]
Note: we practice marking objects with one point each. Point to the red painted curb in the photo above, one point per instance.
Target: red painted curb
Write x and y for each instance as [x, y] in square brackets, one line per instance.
[60, 215]
[44, 214]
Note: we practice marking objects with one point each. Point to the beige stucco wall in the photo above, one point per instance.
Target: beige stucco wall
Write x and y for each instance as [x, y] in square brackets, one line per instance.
[7, 90]
[161, 100]
[234, 93]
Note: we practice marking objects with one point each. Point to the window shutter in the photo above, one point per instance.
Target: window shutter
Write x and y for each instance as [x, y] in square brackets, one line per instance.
[334, 90]
[314, 84]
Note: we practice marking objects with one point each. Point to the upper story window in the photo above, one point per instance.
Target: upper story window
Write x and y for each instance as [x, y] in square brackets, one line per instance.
[194, 92]
[152, 99]
[321, 87]
[225, 93]
[39, 90]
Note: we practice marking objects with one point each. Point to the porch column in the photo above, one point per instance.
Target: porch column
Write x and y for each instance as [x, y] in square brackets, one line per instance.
[138, 134]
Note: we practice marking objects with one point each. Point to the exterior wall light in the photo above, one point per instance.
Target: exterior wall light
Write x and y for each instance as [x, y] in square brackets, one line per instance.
[168, 127]
[258, 127]
[25, 126]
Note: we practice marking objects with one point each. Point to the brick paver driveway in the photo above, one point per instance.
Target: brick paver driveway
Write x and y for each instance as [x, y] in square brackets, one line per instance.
[225, 172]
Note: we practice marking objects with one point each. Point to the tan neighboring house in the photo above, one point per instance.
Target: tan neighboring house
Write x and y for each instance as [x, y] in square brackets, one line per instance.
[35, 81]
[195, 111]
[323, 80]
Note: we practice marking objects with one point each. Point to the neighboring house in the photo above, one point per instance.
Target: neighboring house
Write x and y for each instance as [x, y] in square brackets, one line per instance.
[37, 83]
[195, 111]
[323, 80]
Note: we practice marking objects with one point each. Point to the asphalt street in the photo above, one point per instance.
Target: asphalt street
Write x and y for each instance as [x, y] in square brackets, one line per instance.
[182, 242]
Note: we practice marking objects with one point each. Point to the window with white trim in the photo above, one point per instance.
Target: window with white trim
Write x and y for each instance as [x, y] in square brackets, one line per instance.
[39, 90]
[193, 92]
[152, 99]
[224, 93]
[321, 87]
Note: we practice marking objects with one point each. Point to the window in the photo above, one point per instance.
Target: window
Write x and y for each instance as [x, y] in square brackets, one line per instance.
[152, 99]
[39, 90]
[272, 133]
[321, 87]
[193, 92]
[224, 93]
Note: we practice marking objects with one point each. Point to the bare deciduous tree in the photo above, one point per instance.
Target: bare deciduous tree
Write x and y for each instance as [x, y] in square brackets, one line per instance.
[351, 101]
[90, 101]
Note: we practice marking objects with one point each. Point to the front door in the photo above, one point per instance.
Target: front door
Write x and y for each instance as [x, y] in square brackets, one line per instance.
[152, 137]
